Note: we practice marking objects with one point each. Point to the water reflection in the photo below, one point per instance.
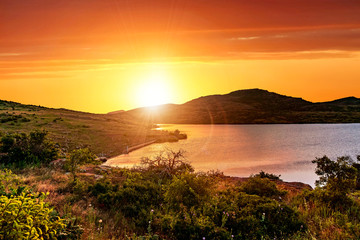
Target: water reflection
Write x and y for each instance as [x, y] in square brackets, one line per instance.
[241, 150]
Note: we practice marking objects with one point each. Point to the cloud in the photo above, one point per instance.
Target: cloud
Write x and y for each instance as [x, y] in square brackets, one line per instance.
[14, 54]
[137, 30]
[244, 38]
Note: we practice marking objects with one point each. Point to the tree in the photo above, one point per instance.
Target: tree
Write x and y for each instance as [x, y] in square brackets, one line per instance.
[78, 157]
[336, 176]
[168, 163]
[357, 166]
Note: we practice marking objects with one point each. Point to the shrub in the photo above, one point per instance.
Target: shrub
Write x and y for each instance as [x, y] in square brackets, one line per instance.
[135, 198]
[28, 217]
[261, 187]
[78, 157]
[188, 190]
[232, 215]
[271, 176]
[20, 150]
[258, 217]
[10, 183]
[330, 218]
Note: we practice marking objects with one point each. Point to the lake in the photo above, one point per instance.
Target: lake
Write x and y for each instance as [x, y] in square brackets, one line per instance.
[242, 150]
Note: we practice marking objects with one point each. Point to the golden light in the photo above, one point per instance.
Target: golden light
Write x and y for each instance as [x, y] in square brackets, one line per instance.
[154, 90]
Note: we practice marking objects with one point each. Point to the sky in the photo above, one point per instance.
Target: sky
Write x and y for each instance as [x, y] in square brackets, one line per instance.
[107, 55]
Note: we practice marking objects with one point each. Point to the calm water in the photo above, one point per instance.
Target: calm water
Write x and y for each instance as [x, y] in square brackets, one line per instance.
[241, 150]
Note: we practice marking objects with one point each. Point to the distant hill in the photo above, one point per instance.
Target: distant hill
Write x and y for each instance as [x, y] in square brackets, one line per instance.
[252, 106]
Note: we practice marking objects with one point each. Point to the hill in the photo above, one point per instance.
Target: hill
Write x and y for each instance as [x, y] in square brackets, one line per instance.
[104, 134]
[252, 106]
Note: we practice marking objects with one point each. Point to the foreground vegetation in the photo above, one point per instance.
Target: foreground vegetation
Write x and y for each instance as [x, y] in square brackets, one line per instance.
[164, 198]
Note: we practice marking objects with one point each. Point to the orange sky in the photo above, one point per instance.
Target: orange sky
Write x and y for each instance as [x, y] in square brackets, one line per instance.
[99, 55]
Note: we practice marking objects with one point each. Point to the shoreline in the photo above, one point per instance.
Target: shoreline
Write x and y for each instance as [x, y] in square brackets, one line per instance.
[171, 137]
[136, 147]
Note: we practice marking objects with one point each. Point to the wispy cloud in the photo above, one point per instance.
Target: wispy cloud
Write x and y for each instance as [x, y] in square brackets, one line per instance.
[244, 38]
[14, 54]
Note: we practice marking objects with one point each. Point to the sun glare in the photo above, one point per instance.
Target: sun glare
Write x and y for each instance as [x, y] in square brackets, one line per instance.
[153, 91]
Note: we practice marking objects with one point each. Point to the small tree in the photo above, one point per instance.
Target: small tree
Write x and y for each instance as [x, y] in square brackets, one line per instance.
[78, 157]
[168, 163]
[337, 176]
[357, 166]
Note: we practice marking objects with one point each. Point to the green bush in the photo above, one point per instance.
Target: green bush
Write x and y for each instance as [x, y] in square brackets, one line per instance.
[135, 198]
[32, 208]
[271, 176]
[188, 189]
[158, 201]
[231, 215]
[10, 184]
[262, 217]
[28, 217]
[262, 187]
[20, 150]
[330, 218]
[78, 157]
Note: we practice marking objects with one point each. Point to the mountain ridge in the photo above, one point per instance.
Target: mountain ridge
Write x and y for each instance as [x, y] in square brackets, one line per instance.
[251, 106]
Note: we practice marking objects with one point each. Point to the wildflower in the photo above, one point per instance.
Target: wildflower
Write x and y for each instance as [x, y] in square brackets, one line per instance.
[152, 210]
[232, 236]
[203, 238]
[100, 221]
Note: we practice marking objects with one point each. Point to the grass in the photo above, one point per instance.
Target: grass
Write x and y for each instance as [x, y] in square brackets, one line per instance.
[104, 134]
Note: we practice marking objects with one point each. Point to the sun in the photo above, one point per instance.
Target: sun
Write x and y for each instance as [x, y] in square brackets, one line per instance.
[154, 90]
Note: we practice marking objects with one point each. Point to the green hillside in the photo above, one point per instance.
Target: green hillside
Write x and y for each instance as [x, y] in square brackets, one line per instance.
[102, 133]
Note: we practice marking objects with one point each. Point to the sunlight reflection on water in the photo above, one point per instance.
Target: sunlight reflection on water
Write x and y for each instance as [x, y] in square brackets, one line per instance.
[241, 150]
